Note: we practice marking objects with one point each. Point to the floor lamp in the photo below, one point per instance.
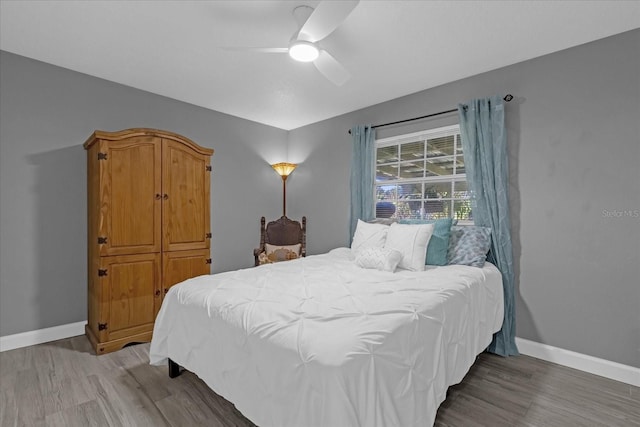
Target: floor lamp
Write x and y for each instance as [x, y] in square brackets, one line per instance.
[284, 170]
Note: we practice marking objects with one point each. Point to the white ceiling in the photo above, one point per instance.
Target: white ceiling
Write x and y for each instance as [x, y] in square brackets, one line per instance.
[391, 48]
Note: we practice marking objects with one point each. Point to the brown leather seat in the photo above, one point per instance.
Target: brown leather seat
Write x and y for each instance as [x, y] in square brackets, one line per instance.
[282, 232]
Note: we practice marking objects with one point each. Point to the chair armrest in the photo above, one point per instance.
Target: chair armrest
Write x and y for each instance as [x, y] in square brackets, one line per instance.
[256, 254]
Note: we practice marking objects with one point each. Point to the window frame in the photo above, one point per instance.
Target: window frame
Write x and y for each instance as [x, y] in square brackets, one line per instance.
[425, 135]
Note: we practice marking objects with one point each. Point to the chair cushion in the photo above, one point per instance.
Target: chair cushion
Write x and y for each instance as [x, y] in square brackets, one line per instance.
[276, 253]
[269, 249]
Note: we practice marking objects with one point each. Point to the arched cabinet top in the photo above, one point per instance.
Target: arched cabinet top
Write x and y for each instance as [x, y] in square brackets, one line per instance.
[129, 133]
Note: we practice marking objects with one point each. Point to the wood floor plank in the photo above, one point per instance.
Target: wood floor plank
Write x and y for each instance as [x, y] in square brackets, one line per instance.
[216, 403]
[183, 408]
[87, 414]
[153, 379]
[112, 411]
[64, 383]
[8, 409]
[136, 402]
[470, 408]
[28, 398]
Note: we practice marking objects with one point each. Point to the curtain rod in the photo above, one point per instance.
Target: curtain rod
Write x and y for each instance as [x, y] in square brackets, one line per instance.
[508, 97]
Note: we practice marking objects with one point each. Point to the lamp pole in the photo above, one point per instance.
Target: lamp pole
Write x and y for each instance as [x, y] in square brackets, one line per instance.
[284, 195]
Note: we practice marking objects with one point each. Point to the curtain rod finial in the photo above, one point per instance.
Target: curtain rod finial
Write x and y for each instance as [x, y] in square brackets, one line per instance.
[508, 97]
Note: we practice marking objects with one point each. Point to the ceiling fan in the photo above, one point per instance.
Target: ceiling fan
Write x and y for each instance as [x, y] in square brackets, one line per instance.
[314, 25]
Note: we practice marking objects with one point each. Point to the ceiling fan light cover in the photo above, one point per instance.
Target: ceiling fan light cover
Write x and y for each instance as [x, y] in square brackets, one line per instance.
[303, 51]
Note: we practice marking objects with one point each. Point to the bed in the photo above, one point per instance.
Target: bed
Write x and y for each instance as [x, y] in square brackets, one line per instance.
[319, 341]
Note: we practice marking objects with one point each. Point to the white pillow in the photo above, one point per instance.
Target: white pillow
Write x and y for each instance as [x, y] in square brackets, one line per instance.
[368, 235]
[378, 258]
[411, 241]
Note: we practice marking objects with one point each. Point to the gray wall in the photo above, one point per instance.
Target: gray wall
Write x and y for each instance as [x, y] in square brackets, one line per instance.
[574, 153]
[46, 113]
[574, 149]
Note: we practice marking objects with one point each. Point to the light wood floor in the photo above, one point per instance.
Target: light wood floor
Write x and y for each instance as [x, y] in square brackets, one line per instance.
[63, 383]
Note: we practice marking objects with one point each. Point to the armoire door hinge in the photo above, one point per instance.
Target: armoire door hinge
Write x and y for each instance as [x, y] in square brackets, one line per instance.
[102, 240]
[102, 326]
[207, 261]
[207, 236]
[208, 168]
[102, 156]
[102, 272]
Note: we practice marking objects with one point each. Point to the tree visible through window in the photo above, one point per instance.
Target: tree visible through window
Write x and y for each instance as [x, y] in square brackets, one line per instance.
[422, 176]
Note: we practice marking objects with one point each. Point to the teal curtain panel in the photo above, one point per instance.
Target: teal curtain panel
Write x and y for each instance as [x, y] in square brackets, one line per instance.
[484, 143]
[362, 176]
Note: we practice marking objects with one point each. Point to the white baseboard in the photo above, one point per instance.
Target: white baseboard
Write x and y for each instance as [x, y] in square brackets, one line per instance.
[605, 368]
[25, 339]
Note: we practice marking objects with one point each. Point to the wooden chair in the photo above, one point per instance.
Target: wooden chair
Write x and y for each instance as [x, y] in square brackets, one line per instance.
[282, 232]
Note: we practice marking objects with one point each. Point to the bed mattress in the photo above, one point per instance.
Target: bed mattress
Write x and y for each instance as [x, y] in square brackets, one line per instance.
[319, 341]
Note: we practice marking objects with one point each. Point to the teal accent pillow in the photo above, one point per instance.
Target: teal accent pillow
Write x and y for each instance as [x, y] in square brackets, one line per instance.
[468, 245]
[439, 243]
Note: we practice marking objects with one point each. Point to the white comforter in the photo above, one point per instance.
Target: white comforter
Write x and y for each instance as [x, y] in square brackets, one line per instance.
[322, 342]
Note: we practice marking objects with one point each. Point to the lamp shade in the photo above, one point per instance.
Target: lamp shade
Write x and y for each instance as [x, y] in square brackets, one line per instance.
[284, 169]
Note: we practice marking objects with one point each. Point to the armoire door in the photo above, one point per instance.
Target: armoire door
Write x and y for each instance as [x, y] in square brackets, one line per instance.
[182, 265]
[130, 196]
[185, 194]
[131, 294]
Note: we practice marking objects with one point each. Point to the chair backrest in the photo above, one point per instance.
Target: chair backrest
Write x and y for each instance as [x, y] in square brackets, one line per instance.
[284, 231]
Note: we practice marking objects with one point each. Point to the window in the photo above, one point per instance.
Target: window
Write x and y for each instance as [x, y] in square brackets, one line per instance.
[422, 176]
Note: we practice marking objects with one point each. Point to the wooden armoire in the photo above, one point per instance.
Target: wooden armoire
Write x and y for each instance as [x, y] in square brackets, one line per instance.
[149, 228]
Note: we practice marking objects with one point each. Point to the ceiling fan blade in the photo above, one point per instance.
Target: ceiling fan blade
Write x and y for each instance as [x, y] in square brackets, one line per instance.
[325, 18]
[331, 68]
[256, 49]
